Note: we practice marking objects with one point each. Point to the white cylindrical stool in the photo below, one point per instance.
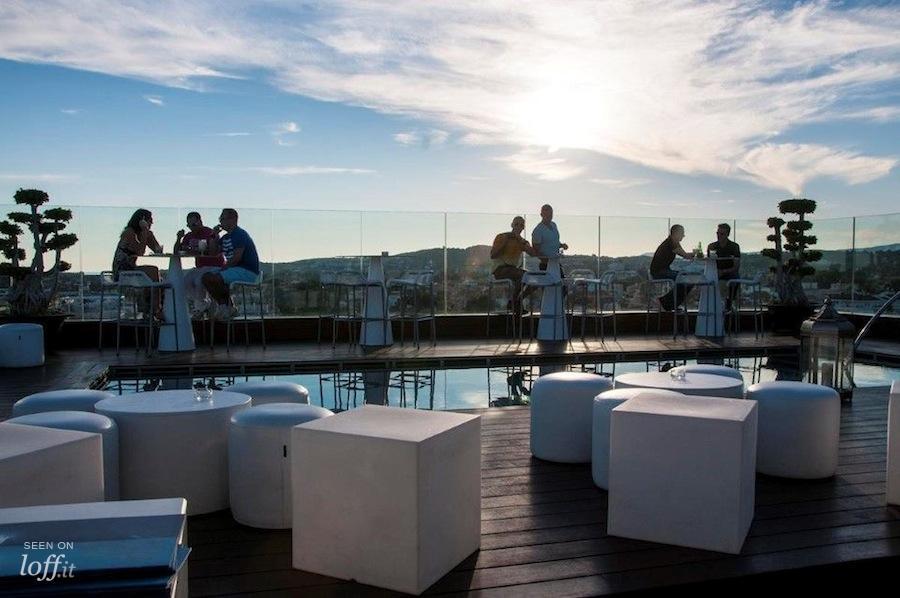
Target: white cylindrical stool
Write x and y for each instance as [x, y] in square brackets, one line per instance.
[21, 345]
[799, 429]
[710, 368]
[81, 421]
[561, 411]
[264, 392]
[259, 462]
[74, 399]
[604, 403]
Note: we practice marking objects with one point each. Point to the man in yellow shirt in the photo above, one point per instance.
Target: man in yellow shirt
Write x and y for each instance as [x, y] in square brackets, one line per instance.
[506, 253]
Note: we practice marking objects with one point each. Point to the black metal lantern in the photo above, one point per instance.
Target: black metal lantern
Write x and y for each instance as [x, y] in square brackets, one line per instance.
[826, 350]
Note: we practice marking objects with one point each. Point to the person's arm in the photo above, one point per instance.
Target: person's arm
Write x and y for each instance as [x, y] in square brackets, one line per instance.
[152, 243]
[179, 238]
[736, 267]
[529, 249]
[683, 253]
[500, 242]
[565, 246]
[212, 245]
[235, 258]
[536, 242]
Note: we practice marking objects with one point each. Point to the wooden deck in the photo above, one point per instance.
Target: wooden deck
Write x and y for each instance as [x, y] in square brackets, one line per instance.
[544, 530]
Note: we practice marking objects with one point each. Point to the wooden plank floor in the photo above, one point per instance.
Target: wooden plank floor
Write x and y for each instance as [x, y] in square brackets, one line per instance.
[544, 529]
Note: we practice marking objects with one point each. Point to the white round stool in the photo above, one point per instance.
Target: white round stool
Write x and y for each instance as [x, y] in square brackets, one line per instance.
[74, 399]
[259, 462]
[604, 403]
[709, 368]
[561, 411]
[82, 421]
[264, 392]
[799, 429]
[21, 345]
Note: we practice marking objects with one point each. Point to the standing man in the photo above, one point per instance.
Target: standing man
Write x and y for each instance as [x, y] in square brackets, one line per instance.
[728, 260]
[661, 266]
[506, 252]
[545, 237]
[241, 263]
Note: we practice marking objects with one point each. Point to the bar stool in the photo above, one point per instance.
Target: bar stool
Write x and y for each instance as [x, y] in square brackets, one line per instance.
[705, 286]
[506, 288]
[136, 281]
[415, 287]
[351, 292]
[326, 302]
[754, 288]
[243, 313]
[108, 284]
[656, 287]
[604, 295]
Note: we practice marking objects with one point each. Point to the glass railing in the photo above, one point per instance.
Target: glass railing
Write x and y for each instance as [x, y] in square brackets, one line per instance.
[859, 270]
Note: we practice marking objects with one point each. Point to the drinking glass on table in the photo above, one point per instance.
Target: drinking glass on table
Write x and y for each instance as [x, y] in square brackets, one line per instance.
[201, 246]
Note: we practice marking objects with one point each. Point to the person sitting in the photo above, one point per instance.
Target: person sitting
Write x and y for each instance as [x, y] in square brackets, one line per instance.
[241, 263]
[136, 237]
[728, 260]
[661, 267]
[506, 253]
[203, 242]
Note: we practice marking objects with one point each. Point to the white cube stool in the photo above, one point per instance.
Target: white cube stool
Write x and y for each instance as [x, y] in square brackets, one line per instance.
[386, 496]
[42, 466]
[263, 392]
[799, 429]
[259, 472]
[82, 421]
[604, 403]
[683, 472]
[710, 368]
[73, 399]
[893, 446]
[21, 345]
[562, 404]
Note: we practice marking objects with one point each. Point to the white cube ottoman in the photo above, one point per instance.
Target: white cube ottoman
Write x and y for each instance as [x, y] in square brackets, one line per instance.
[21, 345]
[799, 429]
[893, 446]
[81, 421]
[682, 472]
[73, 399]
[263, 392]
[42, 466]
[386, 496]
[710, 368]
[562, 405]
[604, 403]
[259, 462]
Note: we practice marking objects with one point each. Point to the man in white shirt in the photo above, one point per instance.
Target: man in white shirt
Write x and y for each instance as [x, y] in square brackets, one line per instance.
[545, 236]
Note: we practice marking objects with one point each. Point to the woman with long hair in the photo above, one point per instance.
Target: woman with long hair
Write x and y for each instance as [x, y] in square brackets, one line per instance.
[136, 237]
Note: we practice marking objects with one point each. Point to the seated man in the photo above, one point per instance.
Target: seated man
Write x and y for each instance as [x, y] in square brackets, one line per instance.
[661, 266]
[506, 252]
[241, 263]
[728, 262]
[203, 242]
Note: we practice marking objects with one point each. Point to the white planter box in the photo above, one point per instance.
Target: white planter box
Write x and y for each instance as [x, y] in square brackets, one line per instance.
[893, 456]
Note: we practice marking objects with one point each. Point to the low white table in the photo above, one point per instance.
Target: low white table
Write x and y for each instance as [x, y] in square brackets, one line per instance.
[683, 471]
[893, 450]
[172, 445]
[44, 466]
[706, 385]
[175, 300]
[386, 496]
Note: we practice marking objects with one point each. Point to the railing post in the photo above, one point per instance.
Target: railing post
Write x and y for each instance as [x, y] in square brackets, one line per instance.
[599, 245]
[446, 274]
[853, 264]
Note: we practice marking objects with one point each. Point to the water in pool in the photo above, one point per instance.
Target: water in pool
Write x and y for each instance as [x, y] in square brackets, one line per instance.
[467, 388]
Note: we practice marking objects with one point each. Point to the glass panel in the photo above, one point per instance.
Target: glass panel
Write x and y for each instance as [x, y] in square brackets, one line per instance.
[834, 270]
[626, 246]
[877, 263]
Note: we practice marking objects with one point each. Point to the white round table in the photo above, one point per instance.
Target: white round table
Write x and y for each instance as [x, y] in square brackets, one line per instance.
[705, 385]
[171, 445]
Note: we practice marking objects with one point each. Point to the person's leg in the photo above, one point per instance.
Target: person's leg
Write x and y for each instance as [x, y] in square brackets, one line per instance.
[152, 273]
[731, 293]
[666, 301]
[216, 287]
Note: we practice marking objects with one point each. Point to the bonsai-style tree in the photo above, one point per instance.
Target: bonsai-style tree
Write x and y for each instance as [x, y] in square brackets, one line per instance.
[792, 257]
[33, 287]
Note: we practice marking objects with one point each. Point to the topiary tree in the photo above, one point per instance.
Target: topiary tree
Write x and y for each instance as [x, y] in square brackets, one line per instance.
[793, 257]
[33, 287]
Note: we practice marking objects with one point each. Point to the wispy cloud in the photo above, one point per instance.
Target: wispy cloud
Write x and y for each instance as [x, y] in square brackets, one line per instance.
[307, 170]
[229, 134]
[426, 138]
[282, 130]
[70, 111]
[25, 178]
[155, 100]
[717, 89]
[542, 165]
[620, 183]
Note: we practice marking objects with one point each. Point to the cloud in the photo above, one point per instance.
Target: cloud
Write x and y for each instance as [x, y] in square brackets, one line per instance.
[281, 130]
[541, 165]
[880, 114]
[155, 100]
[621, 183]
[37, 177]
[307, 170]
[229, 134]
[790, 166]
[684, 86]
[426, 138]
[70, 111]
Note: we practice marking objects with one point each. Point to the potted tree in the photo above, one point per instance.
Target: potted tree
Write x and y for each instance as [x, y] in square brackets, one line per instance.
[33, 286]
[792, 259]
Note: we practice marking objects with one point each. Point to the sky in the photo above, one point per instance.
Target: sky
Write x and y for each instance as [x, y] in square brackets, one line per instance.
[675, 108]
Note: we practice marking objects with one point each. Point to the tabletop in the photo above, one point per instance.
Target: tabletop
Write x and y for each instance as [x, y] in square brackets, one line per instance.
[170, 402]
[691, 381]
